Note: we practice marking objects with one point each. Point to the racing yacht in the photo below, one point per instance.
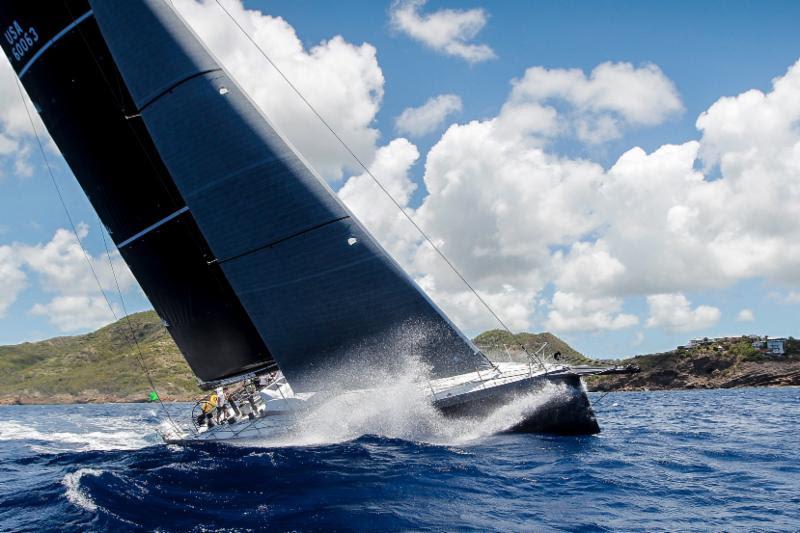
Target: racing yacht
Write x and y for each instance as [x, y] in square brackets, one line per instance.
[267, 282]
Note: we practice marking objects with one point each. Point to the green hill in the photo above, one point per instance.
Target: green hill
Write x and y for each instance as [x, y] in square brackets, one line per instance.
[501, 345]
[98, 366]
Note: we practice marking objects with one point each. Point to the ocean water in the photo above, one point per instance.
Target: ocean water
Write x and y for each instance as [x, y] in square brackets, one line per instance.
[699, 460]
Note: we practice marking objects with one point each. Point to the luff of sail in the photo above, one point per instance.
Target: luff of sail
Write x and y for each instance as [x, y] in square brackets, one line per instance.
[64, 64]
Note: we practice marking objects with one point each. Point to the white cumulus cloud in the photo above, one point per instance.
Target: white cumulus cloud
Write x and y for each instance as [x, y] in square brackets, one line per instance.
[572, 312]
[448, 31]
[343, 81]
[15, 126]
[419, 121]
[62, 266]
[674, 312]
[76, 312]
[14, 120]
[514, 216]
[61, 270]
[13, 279]
[601, 104]
[371, 205]
[745, 315]
[511, 212]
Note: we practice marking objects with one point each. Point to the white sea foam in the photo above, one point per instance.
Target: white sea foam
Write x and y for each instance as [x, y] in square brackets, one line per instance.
[76, 496]
[113, 434]
[402, 409]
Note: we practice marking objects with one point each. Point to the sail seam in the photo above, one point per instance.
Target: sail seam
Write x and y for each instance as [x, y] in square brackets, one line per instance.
[172, 87]
[151, 227]
[283, 239]
[46, 46]
[321, 273]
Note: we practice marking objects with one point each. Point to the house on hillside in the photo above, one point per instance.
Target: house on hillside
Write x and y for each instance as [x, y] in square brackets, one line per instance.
[706, 341]
[699, 341]
[771, 345]
[776, 345]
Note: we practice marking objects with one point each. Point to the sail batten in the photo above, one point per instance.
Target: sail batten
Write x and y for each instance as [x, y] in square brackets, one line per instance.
[282, 239]
[152, 227]
[173, 86]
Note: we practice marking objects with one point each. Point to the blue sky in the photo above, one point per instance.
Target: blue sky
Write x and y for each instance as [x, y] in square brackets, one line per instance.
[706, 50]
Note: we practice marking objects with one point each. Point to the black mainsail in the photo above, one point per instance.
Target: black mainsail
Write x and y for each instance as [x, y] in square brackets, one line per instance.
[242, 249]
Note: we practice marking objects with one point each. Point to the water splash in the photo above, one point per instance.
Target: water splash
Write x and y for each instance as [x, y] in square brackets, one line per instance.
[76, 496]
[401, 408]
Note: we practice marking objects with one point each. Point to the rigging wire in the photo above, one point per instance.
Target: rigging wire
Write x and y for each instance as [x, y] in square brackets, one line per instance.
[86, 254]
[377, 182]
[139, 352]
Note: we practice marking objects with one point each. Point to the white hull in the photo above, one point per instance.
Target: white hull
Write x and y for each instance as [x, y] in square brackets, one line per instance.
[471, 394]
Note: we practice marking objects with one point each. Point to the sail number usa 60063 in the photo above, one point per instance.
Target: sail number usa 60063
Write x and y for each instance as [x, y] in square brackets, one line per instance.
[21, 41]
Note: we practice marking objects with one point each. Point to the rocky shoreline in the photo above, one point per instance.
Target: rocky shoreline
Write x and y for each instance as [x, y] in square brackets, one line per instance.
[722, 368]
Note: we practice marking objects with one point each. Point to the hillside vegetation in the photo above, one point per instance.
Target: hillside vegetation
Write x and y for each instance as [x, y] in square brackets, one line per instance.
[103, 366]
[98, 366]
[501, 345]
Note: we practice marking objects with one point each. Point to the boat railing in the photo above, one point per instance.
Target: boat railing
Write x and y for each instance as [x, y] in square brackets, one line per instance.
[481, 379]
[519, 353]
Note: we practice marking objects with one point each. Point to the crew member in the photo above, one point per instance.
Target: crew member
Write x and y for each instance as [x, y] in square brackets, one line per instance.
[207, 406]
[220, 392]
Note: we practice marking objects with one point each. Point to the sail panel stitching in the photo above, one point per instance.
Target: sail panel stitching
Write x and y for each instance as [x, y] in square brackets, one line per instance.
[52, 41]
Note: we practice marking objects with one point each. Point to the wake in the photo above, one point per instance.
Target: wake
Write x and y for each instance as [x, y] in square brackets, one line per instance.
[103, 433]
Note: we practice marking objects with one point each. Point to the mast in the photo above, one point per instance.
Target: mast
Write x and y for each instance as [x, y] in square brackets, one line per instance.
[325, 298]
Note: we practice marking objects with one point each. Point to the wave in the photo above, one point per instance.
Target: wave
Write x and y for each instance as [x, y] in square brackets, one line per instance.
[106, 434]
[658, 466]
[76, 496]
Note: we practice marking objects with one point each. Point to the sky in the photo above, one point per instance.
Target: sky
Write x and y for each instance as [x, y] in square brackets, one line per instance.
[623, 174]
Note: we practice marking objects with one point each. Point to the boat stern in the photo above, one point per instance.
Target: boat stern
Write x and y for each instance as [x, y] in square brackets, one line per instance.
[563, 407]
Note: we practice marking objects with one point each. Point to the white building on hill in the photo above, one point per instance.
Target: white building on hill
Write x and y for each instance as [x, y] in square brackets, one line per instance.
[771, 345]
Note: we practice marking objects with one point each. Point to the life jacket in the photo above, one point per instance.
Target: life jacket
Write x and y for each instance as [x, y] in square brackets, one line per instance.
[210, 404]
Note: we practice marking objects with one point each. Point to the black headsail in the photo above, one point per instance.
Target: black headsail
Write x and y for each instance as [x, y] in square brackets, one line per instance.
[288, 258]
[59, 54]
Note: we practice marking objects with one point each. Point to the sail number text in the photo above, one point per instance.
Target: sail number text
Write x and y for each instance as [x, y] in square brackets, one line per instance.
[21, 41]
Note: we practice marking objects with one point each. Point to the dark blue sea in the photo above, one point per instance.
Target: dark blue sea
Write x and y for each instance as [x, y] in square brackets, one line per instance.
[699, 460]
